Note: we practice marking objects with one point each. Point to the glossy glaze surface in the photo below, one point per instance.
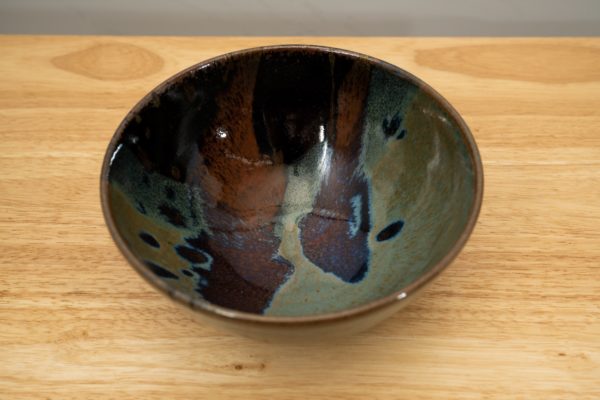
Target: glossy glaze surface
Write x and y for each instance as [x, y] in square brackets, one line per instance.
[291, 182]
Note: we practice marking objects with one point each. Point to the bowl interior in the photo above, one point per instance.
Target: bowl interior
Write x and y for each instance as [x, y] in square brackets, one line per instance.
[290, 181]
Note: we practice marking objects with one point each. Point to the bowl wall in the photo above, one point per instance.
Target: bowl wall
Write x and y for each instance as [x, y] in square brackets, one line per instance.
[291, 182]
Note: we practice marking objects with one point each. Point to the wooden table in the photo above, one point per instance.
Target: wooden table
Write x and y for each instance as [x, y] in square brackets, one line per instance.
[516, 316]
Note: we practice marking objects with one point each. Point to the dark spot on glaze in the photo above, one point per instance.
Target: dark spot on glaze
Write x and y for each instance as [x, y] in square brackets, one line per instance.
[201, 271]
[390, 126]
[192, 255]
[187, 272]
[402, 134]
[238, 367]
[170, 193]
[561, 354]
[390, 231]
[196, 242]
[146, 180]
[160, 271]
[140, 207]
[173, 215]
[149, 239]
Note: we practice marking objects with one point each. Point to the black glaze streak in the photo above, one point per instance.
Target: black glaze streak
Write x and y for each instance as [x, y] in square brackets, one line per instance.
[290, 104]
[140, 207]
[178, 116]
[160, 271]
[146, 180]
[191, 255]
[187, 272]
[173, 215]
[390, 231]
[391, 126]
[170, 193]
[401, 134]
[360, 274]
[149, 239]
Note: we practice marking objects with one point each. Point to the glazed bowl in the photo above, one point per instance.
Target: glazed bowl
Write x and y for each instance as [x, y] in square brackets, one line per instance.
[291, 191]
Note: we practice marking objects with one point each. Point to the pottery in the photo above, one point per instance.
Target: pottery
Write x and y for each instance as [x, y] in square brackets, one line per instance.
[292, 191]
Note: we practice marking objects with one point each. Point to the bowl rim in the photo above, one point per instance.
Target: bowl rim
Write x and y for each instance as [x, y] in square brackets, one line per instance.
[224, 313]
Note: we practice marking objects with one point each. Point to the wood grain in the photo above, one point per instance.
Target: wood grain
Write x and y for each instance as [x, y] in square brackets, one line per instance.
[516, 316]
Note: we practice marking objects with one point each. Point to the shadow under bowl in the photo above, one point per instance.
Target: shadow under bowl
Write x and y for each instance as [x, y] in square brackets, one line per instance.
[289, 189]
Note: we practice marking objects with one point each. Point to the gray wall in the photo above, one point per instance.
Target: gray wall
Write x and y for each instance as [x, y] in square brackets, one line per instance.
[302, 17]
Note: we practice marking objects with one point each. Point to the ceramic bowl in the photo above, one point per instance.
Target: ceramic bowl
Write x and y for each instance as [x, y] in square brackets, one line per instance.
[292, 191]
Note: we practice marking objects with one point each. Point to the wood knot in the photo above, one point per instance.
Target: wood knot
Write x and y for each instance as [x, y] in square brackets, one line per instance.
[252, 366]
[110, 61]
[523, 61]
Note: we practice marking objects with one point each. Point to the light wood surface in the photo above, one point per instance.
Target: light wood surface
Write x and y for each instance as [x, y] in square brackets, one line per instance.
[516, 316]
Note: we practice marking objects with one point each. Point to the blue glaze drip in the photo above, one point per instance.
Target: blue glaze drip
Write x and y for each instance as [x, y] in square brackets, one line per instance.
[355, 220]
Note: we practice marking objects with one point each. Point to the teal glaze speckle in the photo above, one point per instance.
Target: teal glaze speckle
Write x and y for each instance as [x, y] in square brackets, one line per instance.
[346, 188]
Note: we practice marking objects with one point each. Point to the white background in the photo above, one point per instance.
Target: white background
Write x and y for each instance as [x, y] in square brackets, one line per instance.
[303, 17]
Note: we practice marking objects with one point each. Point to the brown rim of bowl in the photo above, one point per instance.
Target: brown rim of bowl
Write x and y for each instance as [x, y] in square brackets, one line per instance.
[241, 316]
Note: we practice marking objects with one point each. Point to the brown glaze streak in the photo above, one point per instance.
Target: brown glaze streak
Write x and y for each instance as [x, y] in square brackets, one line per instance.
[243, 189]
[234, 173]
[329, 242]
